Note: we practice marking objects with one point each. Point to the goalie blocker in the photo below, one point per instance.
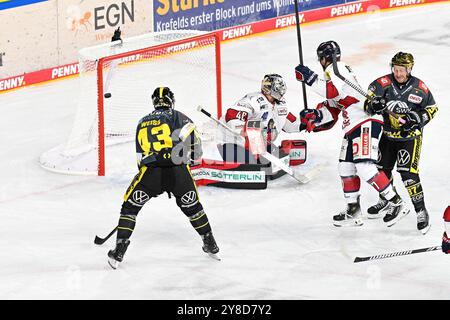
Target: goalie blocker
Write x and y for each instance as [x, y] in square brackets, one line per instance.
[252, 175]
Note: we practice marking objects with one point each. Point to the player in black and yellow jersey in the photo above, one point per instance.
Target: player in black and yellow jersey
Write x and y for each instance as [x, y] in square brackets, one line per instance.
[407, 106]
[166, 140]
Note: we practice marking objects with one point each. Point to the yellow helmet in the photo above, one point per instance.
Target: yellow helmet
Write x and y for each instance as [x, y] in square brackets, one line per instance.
[403, 59]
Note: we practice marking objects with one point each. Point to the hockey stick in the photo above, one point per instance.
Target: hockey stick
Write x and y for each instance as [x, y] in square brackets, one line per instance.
[101, 241]
[300, 52]
[302, 178]
[360, 90]
[396, 254]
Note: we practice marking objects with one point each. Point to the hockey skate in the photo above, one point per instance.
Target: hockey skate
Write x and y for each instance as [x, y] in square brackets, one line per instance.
[395, 210]
[423, 221]
[210, 246]
[351, 217]
[376, 211]
[116, 255]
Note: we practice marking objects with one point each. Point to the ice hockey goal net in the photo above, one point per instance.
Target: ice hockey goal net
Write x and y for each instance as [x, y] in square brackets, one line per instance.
[116, 83]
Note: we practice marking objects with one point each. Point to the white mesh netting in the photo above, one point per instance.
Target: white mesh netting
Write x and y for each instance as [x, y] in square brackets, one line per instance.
[187, 67]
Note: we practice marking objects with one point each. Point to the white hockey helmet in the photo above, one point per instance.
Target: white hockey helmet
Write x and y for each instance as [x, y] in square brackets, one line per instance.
[274, 86]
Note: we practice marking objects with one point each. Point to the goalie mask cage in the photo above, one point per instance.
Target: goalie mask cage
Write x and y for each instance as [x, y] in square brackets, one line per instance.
[116, 82]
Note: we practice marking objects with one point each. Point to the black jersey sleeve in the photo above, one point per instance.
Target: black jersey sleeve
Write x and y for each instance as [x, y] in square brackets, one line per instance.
[429, 107]
[379, 86]
[422, 103]
[189, 136]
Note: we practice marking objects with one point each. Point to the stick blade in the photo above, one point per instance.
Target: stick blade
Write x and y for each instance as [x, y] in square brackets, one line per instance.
[98, 240]
[359, 259]
[309, 175]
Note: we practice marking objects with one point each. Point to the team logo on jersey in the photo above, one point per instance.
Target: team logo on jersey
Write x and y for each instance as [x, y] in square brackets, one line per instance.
[140, 197]
[423, 86]
[282, 111]
[414, 99]
[384, 81]
[189, 197]
[265, 115]
[398, 106]
[403, 157]
[365, 141]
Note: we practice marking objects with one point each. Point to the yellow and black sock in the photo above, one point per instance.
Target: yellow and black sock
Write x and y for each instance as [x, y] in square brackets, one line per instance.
[200, 222]
[126, 226]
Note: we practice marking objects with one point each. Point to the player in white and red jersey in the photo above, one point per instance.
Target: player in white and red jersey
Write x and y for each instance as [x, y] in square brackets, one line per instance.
[267, 106]
[362, 132]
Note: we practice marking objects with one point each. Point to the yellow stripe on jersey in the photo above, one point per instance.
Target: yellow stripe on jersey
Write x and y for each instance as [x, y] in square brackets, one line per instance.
[135, 182]
[414, 167]
[431, 110]
[195, 185]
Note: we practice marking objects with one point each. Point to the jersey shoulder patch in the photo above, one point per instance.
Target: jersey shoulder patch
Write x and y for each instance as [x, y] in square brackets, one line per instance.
[423, 87]
[384, 81]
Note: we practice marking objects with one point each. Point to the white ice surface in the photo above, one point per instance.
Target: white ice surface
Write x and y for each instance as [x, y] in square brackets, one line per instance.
[277, 243]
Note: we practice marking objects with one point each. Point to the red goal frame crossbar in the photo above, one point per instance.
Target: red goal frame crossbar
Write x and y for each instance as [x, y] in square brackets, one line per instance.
[100, 104]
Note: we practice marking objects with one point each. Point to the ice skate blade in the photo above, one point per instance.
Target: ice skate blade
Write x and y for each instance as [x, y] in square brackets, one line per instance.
[214, 256]
[398, 218]
[375, 216]
[113, 263]
[353, 223]
[425, 230]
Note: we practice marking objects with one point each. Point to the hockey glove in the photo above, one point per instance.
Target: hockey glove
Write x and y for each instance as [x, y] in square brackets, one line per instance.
[116, 35]
[412, 122]
[304, 74]
[310, 117]
[375, 106]
[445, 243]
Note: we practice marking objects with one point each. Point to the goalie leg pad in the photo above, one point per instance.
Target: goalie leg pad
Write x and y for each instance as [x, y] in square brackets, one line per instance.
[297, 150]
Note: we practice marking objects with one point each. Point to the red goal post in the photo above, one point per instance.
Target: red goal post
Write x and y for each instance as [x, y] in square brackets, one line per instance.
[189, 62]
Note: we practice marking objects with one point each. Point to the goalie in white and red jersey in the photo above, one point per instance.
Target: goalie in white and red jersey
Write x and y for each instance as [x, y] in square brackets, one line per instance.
[362, 133]
[267, 106]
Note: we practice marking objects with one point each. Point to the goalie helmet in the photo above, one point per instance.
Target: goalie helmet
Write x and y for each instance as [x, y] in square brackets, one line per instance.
[403, 59]
[327, 49]
[163, 97]
[274, 86]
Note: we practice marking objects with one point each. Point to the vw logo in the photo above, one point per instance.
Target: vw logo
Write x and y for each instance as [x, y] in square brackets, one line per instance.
[140, 197]
[189, 197]
[403, 157]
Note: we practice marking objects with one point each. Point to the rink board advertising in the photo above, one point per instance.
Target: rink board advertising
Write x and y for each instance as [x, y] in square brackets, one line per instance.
[209, 15]
[231, 18]
[7, 4]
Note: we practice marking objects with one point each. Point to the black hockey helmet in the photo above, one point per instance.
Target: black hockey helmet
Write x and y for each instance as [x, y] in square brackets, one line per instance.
[327, 49]
[163, 97]
[403, 59]
[274, 86]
